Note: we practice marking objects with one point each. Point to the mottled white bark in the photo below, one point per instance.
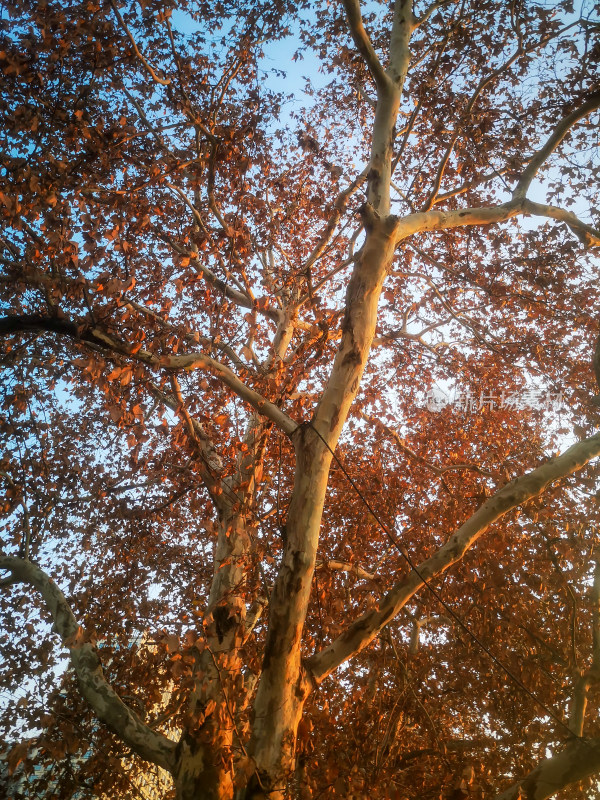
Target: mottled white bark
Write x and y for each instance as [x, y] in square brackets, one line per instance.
[519, 491]
[283, 687]
[107, 705]
[491, 215]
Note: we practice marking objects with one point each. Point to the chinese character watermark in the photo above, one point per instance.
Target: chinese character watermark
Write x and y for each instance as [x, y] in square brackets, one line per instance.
[465, 400]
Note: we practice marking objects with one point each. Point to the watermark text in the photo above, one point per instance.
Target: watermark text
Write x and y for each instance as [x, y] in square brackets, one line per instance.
[471, 402]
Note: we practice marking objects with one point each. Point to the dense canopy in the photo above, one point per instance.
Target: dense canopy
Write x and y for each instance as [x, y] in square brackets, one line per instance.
[298, 310]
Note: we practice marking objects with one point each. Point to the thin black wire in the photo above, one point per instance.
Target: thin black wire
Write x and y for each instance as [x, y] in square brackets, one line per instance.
[404, 553]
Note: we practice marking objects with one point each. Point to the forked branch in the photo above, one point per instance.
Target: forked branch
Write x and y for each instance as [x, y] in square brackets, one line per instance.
[95, 336]
[432, 220]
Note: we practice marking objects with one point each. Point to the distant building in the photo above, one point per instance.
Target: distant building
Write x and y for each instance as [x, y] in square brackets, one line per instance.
[31, 778]
[34, 780]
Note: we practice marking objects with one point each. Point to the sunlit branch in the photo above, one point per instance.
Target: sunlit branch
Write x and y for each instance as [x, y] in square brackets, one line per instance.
[331, 274]
[361, 632]
[402, 195]
[417, 109]
[403, 25]
[257, 401]
[417, 624]
[466, 187]
[457, 316]
[596, 619]
[363, 43]
[393, 336]
[461, 318]
[366, 97]
[193, 339]
[587, 678]
[335, 565]
[108, 706]
[488, 215]
[254, 614]
[587, 235]
[92, 335]
[195, 429]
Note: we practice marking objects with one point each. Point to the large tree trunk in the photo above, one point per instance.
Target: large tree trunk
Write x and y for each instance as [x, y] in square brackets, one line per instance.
[205, 754]
[283, 685]
[205, 766]
[205, 750]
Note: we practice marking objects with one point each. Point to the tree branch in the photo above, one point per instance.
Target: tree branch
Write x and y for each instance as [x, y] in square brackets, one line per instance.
[403, 24]
[213, 460]
[363, 630]
[335, 565]
[404, 448]
[489, 215]
[432, 8]
[338, 207]
[257, 401]
[466, 187]
[579, 760]
[430, 220]
[191, 338]
[483, 84]
[85, 333]
[199, 222]
[586, 234]
[238, 297]
[136, 50]
[24, 549]
[585, 680]
[413, 647]
[105, 702]
[363, 43]
[556, 137]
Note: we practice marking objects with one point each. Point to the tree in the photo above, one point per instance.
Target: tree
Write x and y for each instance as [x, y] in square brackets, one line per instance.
[221, 316]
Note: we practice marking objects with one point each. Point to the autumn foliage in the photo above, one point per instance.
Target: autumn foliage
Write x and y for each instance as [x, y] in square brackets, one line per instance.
[240, 544]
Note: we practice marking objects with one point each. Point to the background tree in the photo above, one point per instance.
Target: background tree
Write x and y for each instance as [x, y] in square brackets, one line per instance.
[221, 313]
